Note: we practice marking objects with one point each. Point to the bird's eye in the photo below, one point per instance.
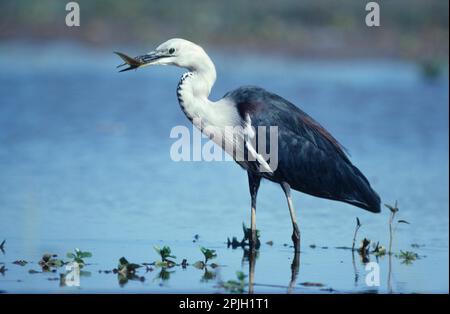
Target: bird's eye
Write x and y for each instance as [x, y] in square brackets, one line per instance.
[171, 50]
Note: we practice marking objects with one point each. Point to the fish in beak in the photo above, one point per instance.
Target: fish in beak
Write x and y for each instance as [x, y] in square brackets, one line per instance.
[133, 63]
[137, 62]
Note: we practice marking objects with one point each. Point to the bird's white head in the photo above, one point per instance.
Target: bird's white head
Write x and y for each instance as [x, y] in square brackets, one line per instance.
[176, 51]
[181, 53]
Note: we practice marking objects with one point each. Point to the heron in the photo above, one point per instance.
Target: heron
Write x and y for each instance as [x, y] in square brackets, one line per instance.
[310, 159]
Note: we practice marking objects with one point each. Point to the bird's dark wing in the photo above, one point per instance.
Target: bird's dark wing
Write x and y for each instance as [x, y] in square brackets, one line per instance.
[310, 159]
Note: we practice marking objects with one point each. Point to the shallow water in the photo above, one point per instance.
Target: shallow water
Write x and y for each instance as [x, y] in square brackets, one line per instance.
[84, 162]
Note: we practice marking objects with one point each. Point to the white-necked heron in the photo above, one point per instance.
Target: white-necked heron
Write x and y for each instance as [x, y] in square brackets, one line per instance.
[310, 159]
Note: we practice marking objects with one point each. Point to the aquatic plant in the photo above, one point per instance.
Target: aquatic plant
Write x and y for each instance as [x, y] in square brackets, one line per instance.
[312, 284]
[236, 286]
[126, 267]
[379, 250]
[364, 250]
[248, 235]
[20, 262]
[2, 246]
[78, 256]
[392, 225]
[234, 243]
[358, 225]
[127, 271]
[165, 252]
[49, 260]
[208, 254]
[407, 257]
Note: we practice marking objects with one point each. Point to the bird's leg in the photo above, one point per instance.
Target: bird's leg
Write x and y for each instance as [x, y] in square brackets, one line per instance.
[253, 182]
[296, 230]
[294, 271]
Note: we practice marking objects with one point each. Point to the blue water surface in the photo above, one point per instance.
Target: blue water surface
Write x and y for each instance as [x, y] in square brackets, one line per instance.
[85, 162]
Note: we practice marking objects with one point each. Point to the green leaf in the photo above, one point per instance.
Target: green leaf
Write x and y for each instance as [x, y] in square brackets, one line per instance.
[85, 254]
[209, 254]
[162, 264]
[132, 267]
[123, 261]
[70, 255]
[240, 275]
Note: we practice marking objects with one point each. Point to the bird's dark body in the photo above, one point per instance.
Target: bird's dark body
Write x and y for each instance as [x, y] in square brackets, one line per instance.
[310, 159]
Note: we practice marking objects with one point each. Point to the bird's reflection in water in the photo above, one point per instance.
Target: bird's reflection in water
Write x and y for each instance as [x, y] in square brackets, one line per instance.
[295, 266]
[251, 255]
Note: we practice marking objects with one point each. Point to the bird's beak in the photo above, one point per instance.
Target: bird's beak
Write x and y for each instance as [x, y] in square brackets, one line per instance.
[139, 61]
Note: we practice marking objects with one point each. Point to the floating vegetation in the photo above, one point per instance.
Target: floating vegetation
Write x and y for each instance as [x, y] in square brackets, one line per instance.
[408, 257]
[126, 267]
[78, 256]
[313, 246]
[2, 246]
[33, 271]
[49, 261]
[392, 225]
[3, 269]
[165, 253]
[208, 255]
[20, 262]
[269, 242]
[364, 250]
[127, 271]
[236, 286]
[379, 250]
[312, 284]
[196, 237]
[234, 243]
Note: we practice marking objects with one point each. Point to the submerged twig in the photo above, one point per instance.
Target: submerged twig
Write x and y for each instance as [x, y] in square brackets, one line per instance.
[358, 225]
[394, 210]
[2, 246]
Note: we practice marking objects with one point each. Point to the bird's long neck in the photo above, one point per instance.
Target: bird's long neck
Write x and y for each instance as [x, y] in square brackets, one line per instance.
[193, 91]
